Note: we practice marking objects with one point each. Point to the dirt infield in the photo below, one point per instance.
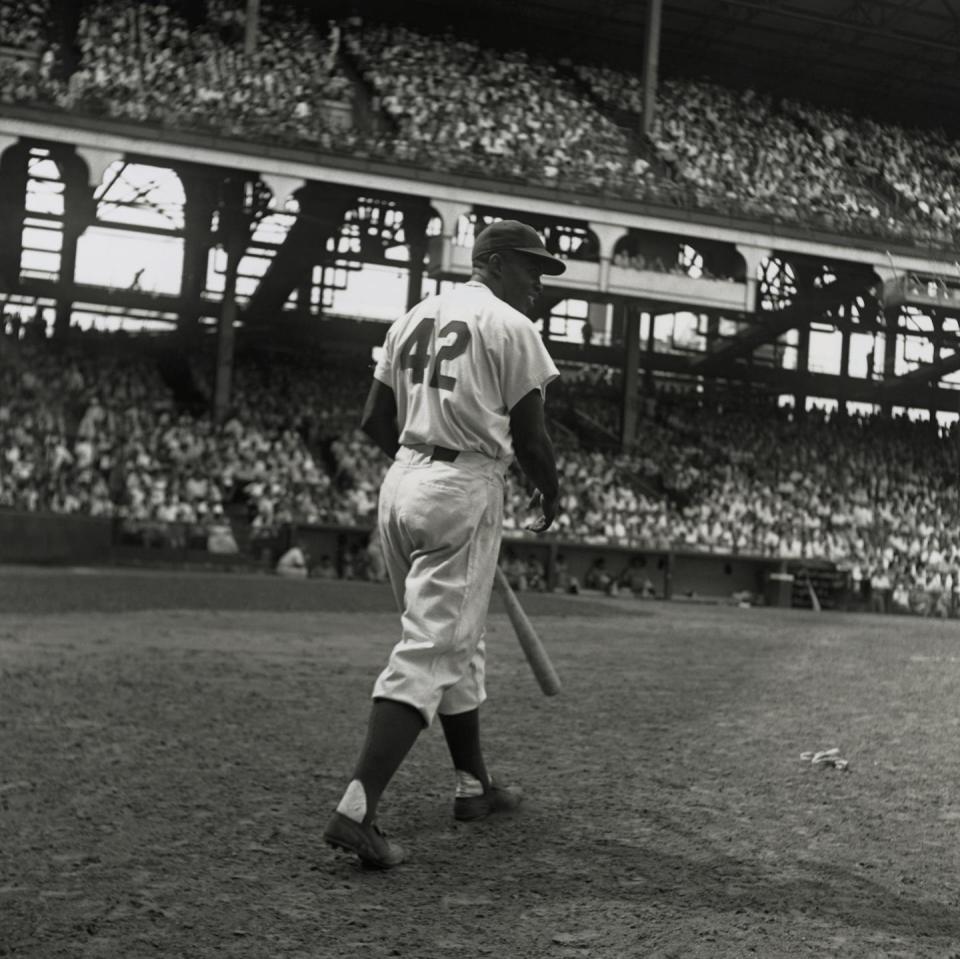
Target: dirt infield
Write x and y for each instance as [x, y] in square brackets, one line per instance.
[166, 770]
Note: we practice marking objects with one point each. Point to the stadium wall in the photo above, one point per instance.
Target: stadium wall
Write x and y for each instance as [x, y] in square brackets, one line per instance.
[53, 538]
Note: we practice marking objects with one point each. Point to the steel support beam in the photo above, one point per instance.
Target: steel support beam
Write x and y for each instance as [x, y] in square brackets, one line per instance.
[651, 62]
[927, 373]
[771, 325]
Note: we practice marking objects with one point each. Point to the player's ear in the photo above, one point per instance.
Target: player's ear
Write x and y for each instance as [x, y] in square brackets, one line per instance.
[495, 264]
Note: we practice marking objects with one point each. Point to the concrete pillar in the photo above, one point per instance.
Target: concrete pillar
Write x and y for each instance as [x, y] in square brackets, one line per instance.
[648, 381]
[936, 338]
[79, 211]
[891, 316]
[200, 189]
[608, 236]
[713, 339]
[753, 256]
[282, 187]
[416, 217]
[14, 156]
[805, 276]
[843, 387]
[97, 162]
[234, 229]
[631, 374]
[450, 212]
[803, 365]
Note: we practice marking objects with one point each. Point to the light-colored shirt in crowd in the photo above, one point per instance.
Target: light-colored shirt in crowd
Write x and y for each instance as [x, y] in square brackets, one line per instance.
[293, 564]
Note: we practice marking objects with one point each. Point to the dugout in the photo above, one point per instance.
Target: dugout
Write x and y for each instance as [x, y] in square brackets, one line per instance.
[54, 538]
[674, 574]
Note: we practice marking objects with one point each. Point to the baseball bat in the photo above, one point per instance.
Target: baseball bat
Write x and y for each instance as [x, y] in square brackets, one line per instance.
[530, 643]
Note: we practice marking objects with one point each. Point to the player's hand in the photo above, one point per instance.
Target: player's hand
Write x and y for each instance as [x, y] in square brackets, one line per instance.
[548, 513]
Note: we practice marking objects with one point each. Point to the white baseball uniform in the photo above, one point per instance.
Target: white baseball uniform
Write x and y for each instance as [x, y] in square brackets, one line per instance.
[457, 363]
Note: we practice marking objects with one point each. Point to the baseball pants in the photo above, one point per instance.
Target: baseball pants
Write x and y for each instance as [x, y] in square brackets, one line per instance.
[440, 527]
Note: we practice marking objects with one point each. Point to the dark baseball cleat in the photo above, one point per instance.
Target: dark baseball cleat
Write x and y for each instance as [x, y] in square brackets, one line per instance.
[366, 841]
[497, 799]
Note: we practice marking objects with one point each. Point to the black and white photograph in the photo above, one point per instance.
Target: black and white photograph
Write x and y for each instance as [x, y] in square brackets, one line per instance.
[479, 480]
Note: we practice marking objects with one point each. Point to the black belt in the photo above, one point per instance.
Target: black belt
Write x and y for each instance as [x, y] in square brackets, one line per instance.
[443, 454]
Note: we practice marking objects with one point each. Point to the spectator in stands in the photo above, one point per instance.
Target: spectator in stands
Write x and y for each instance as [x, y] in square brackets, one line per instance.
[597, 576]
[376, 566]
[535, 574]
[565, 581]
[634, 578]
[880, 588]
[294, 563]
[220, 538]
[514, 570]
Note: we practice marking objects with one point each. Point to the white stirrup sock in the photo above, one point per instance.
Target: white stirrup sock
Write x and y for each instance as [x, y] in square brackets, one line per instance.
[468, 785]
[354, 802]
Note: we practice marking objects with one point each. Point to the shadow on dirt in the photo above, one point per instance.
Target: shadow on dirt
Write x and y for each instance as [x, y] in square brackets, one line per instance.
[824, 890]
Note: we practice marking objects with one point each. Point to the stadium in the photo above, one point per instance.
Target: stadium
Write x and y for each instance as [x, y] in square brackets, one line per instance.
[211, 211]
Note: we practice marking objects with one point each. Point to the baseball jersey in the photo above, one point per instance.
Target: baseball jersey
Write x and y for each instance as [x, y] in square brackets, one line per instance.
[458, 363]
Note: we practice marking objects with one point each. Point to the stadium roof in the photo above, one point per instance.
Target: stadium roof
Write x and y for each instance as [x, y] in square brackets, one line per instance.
[897, 59]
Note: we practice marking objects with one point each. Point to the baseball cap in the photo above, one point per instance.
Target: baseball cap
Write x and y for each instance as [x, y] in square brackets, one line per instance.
[514, 235]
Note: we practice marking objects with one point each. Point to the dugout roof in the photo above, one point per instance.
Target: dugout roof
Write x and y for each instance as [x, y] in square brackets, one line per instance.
[896, 59]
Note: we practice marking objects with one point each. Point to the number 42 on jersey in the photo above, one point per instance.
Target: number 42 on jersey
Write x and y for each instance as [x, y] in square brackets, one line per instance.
[415, 352]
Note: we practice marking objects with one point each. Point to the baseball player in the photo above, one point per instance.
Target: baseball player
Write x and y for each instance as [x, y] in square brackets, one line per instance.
[457, 393]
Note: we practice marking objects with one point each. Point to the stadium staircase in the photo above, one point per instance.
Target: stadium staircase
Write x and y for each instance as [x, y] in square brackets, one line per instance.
[880, 188]
[590, 435]
[367, 117]
[588, 431]
[73, 410]
[629, 123]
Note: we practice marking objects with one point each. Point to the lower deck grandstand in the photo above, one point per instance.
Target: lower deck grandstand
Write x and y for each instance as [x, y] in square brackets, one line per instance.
[727, 209]
[93, 428]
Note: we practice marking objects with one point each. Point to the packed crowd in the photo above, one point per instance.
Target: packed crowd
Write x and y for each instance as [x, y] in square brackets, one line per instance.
[93, 429]
[877, 497]
[22, 38]
[921, 168]
[97, 432]
[449, 103]
[23, 22]
[622, 91]
[145, 62]
[455, 103]
[739, 147]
